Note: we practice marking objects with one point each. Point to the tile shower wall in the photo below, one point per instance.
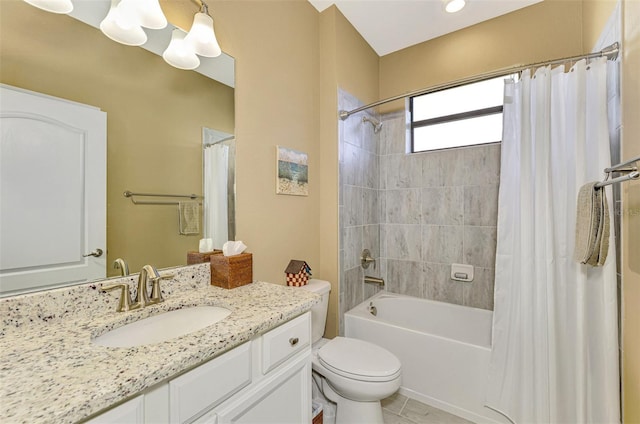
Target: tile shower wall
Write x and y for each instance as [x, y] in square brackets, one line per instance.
[437, 208]
[417, 214]
[359, 203]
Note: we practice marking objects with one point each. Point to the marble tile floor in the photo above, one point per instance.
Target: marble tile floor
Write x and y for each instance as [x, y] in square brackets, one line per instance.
[399, 409]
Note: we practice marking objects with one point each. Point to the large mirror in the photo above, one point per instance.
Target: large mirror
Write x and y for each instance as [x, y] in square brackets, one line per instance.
[155, 118]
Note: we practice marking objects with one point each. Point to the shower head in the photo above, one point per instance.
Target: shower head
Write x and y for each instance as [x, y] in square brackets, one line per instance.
[377, 125]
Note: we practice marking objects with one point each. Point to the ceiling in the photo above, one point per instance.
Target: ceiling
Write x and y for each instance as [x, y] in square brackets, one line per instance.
[392, 25]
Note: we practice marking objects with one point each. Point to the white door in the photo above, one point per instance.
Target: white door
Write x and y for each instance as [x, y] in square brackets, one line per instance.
[52, 191]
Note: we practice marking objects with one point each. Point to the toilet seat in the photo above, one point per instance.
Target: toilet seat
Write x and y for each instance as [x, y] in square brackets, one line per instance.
[359, 360]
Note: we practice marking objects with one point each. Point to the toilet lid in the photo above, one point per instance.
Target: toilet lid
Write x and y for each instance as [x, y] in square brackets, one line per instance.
[359, 360]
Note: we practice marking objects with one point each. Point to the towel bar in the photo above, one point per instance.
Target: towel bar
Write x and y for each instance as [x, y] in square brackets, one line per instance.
[630, 167]
[131, 195]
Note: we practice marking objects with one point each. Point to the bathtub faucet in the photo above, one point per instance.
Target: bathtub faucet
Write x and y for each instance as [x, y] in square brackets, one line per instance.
[374, 280]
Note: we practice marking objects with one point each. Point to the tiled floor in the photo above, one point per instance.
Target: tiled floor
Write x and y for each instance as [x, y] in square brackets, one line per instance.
[399, 409]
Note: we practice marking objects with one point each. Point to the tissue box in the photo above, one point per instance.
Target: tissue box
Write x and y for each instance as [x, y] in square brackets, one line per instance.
[200, 258]
[230, 272]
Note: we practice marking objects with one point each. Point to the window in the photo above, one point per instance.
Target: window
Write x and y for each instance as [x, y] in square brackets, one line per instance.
[461, 116]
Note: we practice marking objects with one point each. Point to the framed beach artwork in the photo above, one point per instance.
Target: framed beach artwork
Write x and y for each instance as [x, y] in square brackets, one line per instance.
[293, 172]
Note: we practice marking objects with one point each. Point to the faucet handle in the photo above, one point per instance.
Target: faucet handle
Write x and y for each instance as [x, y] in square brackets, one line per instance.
[124, 304]
[366, 258]
[142, 295]
[156, 293]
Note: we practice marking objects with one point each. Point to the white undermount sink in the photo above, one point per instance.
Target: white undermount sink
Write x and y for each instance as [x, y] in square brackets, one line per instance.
[162, 327]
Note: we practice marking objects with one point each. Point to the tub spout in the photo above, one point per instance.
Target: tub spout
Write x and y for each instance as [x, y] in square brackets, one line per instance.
[373, 280]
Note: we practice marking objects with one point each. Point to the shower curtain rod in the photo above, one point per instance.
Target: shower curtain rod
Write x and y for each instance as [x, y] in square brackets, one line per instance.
[611, 52]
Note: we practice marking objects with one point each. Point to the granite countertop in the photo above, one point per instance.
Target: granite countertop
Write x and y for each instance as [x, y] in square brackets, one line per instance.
[50, 371]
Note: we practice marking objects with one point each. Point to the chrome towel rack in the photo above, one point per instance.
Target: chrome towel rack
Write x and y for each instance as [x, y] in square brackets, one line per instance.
[630, 168]
[132, 195]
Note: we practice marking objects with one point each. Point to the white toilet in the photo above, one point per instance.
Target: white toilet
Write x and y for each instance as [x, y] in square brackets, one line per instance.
[356, 374]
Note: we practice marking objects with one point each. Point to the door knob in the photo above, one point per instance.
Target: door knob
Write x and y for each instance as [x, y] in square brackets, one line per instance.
[97, 253]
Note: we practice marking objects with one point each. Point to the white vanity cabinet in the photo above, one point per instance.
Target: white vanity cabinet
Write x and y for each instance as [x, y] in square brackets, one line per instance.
[283, 395]
[132, 412]
[265, 380]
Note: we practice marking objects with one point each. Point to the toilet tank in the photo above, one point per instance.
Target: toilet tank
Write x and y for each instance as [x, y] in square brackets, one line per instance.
[319, 311]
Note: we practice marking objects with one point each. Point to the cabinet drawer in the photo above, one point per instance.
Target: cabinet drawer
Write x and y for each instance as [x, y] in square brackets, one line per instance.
[206, 386]
[285, 341]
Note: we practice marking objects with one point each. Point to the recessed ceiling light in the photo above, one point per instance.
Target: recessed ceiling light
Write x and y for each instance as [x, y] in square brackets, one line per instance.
[453, 6]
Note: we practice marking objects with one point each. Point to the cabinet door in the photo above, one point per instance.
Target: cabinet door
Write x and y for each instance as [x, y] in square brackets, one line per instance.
[206, 386]
[282, 398]
[130, 412]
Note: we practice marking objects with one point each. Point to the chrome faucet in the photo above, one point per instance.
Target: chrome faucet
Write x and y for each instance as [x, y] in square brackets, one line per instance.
[142, 295]
[122, 266]
[374, 280]
[147, 273]
[124, 303]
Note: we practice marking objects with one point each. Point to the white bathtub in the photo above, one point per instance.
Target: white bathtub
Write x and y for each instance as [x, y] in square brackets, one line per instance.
[444, 349]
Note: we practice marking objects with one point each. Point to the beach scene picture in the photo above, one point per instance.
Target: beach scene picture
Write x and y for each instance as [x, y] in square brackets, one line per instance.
[293, 172]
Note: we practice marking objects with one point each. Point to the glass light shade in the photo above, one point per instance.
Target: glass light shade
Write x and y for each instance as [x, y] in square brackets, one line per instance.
[53, 6]
[453, 6]
[179, 53]
[202, 37]
[122, 27]
[147, 12]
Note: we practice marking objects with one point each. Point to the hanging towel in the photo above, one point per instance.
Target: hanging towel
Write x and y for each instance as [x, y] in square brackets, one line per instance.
[189, 217]
[592, 225]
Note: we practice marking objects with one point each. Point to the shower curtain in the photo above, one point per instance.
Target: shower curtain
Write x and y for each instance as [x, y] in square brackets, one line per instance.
[216, 171]
[555, 333]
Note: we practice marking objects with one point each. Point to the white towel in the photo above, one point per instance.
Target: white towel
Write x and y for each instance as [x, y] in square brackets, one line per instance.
[592, 225]
[189, 217]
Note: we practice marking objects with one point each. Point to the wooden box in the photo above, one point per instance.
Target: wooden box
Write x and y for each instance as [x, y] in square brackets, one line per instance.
[317, 419]
[230, 272]
[200, 258]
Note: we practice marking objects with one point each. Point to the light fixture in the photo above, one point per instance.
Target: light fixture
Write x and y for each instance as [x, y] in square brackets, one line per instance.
[453, 6]
[122, 25]
[125, 21]
[54, 6]
[148, 12]
[202, 37]
[179, 53]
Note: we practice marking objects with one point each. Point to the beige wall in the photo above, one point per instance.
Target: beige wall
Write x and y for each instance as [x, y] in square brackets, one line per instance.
[155, 115]
[329, 257]
[595, 14]
[631, 214]
[276, 47]
[550, 29]
[347, 62]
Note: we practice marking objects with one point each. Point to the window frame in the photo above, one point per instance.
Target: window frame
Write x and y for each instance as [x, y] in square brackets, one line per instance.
[451, 117]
